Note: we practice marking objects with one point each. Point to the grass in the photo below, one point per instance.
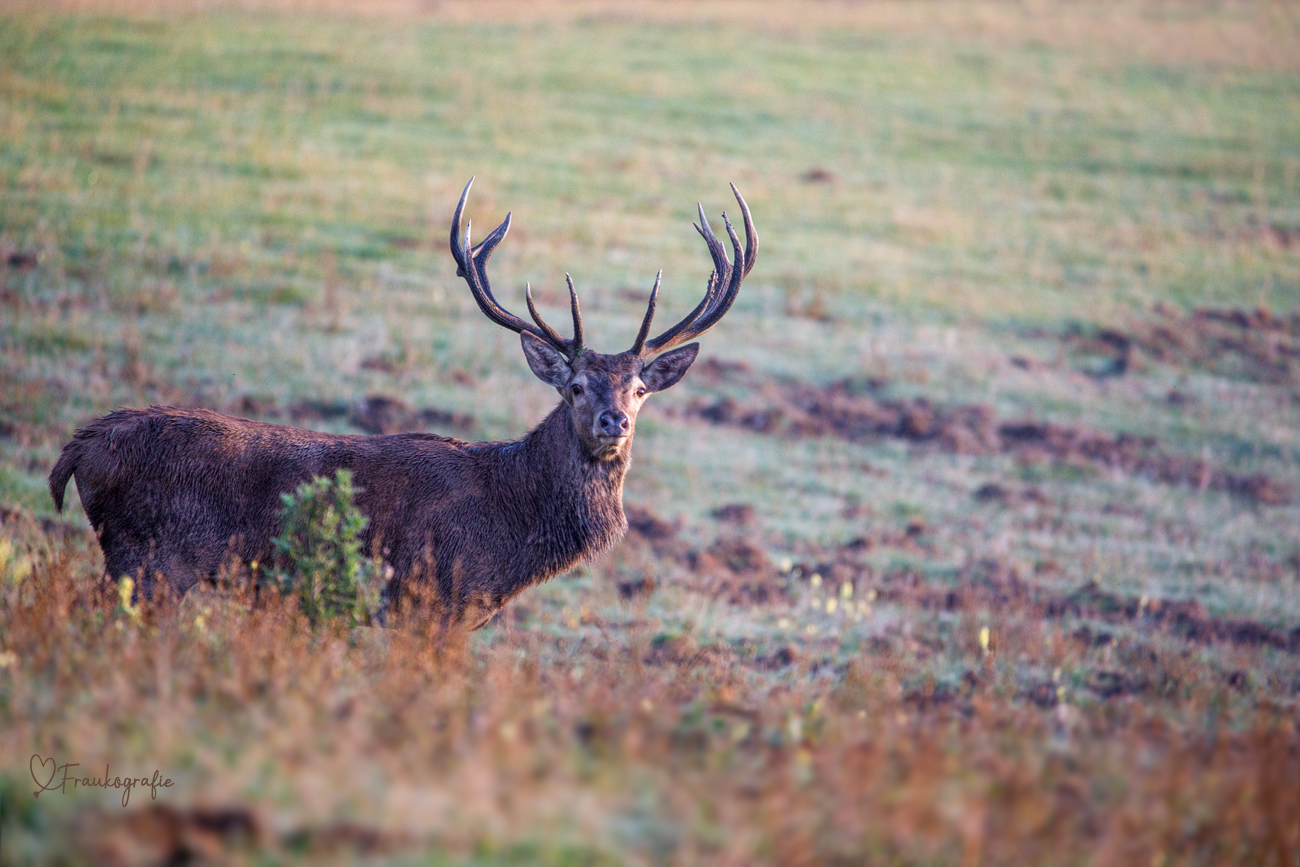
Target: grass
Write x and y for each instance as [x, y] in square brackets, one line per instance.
[245, 208]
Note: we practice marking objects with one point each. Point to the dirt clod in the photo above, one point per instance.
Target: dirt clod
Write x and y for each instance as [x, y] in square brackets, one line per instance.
[736, 570]
[22, 261]
[735, 513]
[648, 525]
[637, 588]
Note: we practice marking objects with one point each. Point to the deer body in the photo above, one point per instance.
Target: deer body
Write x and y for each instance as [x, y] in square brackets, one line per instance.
[176, 492]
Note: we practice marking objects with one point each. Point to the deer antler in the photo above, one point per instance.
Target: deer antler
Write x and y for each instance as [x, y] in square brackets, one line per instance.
[473, 267]
[724, 285]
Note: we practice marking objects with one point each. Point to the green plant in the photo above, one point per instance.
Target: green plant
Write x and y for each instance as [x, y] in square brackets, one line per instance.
[321, 553]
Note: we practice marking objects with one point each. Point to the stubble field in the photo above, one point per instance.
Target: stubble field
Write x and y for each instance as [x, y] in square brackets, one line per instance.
[973, 537]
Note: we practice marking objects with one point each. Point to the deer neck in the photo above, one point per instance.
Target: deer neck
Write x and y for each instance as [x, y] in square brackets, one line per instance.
[567, 468]
[577, 498]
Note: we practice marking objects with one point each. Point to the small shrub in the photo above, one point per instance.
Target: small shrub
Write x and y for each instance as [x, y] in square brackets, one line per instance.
[321, 556]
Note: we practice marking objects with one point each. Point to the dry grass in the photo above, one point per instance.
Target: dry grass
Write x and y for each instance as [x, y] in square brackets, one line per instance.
[624, 744]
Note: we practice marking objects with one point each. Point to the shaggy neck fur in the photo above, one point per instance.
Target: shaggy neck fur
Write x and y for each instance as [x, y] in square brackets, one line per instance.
[570, 503]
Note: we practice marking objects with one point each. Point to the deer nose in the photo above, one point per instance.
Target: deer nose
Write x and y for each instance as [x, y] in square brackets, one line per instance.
[614, 423]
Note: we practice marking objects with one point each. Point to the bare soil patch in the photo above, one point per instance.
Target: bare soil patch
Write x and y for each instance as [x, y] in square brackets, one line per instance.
[739, 571]
[732, 567]
[991, 584]
[374, 414]
[1250, 344]
[854, 410]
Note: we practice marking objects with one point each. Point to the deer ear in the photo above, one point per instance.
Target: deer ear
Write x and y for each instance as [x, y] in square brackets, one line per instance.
[668, 369]
[546, 361]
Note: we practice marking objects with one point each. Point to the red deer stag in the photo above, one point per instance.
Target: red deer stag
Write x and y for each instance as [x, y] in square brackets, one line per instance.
[173, 492]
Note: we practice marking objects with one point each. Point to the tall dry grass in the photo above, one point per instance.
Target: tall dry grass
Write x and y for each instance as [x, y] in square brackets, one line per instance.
[676, 750]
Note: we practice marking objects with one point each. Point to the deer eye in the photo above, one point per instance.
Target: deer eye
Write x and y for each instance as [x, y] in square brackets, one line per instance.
[575, 389]
[640, 392]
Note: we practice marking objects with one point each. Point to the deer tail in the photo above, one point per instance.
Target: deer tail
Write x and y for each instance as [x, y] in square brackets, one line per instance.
[63, 470]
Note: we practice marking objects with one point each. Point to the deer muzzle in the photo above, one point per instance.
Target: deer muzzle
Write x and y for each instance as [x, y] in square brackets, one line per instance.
[612, 428]
[613, 423]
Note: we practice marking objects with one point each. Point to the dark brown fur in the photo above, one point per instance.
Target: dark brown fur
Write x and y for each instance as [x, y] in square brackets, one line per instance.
[176, 491]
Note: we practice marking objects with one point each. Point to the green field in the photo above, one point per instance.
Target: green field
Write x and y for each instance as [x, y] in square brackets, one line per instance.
[1021, 352]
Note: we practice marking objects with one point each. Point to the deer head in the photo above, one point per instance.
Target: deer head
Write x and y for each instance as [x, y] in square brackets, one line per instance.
[605, 392]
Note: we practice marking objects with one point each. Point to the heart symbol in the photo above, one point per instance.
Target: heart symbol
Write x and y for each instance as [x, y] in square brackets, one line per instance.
[31, 766]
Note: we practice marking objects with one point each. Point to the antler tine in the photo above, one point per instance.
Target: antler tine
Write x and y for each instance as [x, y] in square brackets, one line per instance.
[719, 299]
[457, 251]
[668, 338]
[572, 347]
[577, 317]
[724, 282]
[484, 249]
[738, 256]
[751, 236]
[551, 333]
[471, 263]
[649, 315]
[716, 250]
